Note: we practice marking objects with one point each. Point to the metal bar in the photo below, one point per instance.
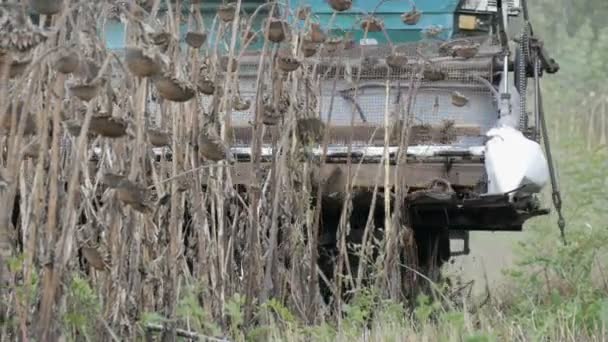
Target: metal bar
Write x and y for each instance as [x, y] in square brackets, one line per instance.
[505, 97]
[505, 72]
[414, 174]
[536, 100]
[364, 132]
[556, 196]
[352, 100]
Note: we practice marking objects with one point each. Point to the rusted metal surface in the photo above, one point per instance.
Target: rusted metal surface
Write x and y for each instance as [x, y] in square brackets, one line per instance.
[481, 212]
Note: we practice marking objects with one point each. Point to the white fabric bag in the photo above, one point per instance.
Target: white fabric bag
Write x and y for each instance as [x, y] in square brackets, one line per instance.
[514, 162]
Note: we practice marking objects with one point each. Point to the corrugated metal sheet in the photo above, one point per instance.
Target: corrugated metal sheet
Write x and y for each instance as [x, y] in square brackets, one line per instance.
[386, 7]
[436, 14]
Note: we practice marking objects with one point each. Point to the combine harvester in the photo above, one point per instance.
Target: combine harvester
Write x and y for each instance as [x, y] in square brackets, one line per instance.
[428, 101]
[270, 149]
[414, 108]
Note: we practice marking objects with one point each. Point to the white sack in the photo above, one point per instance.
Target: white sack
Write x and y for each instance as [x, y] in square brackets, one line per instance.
[513, 161]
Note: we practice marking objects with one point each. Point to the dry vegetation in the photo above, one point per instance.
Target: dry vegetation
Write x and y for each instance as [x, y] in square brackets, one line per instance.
[116, 240]
[109, 229]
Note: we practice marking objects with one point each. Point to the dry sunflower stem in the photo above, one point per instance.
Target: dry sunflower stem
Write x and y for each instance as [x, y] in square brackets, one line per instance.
[30, 123]
[250, 36]
[152, 255]
[225, 60]
[17, 67]
[335, 183]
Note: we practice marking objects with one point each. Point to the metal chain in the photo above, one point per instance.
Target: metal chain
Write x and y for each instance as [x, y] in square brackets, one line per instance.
[524, 55]
[555, 195]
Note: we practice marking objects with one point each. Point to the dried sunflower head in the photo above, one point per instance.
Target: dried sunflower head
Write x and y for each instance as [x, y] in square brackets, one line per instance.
[17, 33]
[172, 88]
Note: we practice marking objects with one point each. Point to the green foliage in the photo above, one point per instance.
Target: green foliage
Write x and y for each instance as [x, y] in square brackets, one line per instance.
[390, 311]
[82, 307]
[569, 15]
[189, 310]
[358, 311]
[322, 332]
[455, 320]
[152, 318]
[557, 284]
[425, 308]
[15, 263]
[28, 290]
[282, 313]
[274, 314]
[479, 338]
[236, 315]
[28, 294]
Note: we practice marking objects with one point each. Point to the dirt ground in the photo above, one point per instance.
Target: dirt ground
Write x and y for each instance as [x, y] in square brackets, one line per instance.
[491, 252]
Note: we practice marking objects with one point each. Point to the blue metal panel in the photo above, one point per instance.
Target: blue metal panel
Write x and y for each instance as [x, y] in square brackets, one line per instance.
[436, 13]
[114, 34]
[366, 6]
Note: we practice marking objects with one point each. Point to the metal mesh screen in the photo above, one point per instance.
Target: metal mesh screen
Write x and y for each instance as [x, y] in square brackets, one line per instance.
[361, 93]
